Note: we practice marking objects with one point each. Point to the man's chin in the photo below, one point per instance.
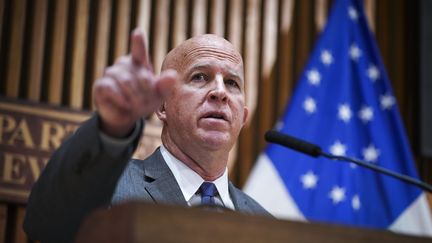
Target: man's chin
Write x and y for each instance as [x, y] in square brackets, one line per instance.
[216, 139]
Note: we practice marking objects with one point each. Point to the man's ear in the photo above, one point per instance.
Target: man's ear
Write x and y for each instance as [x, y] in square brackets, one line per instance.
[245, 114]
[161, 114]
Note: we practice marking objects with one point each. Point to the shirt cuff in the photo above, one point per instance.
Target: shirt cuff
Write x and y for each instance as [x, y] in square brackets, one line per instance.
[116, 146]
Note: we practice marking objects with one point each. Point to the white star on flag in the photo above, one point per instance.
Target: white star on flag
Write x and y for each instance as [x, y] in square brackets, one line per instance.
[366, 114]
[326, 57]
[352, 12]
[345, 113]
[373, 73]
[337, 194]
[371, 153]
[309, 180]
[355, 52]
[309, 105]
[355, 202]
[314, 77]
[338, 149]
[387, 101]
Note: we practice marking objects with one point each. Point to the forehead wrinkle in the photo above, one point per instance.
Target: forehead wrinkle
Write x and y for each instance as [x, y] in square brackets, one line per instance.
[209, 51]
[206, 46]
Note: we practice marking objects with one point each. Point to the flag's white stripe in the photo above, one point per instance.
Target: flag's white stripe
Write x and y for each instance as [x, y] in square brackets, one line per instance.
[266, 187]
[416, 219]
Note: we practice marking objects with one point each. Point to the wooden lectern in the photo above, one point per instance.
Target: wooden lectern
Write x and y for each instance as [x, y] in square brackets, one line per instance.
[142, 222]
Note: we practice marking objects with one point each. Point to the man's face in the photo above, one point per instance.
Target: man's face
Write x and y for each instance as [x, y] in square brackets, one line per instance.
[207, 107]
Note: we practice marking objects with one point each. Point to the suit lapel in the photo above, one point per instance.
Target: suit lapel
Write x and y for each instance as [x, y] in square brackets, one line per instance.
[162, 186]
[240, 203]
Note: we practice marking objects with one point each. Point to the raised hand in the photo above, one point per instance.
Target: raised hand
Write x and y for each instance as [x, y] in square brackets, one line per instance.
[129, 89]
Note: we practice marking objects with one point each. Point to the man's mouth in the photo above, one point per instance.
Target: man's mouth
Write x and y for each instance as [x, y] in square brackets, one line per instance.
[216, 115]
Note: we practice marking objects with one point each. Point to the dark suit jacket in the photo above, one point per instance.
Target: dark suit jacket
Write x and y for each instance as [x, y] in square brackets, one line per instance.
[82, 176]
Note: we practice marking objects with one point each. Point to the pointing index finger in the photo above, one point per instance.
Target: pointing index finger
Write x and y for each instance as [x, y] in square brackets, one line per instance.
[139, 51]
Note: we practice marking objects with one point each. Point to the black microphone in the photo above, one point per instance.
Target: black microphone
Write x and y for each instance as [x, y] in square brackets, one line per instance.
[315, 151]
[293, 143]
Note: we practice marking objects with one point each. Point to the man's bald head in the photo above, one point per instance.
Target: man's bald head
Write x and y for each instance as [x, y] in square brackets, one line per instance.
[207, 45]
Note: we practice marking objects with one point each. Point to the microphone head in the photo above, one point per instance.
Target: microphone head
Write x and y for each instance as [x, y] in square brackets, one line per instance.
[293, 143]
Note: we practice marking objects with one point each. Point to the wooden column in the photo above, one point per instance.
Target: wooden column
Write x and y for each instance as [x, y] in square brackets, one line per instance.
[16, 45]
[79, 61]
[36, 61]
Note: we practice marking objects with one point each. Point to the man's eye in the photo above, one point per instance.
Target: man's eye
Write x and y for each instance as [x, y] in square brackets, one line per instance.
[199, 77]
[232, 83]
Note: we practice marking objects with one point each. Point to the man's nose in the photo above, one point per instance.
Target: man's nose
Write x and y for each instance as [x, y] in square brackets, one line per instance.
[218, 92]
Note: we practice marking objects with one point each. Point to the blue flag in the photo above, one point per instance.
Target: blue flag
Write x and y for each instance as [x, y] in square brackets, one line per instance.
[345, 104]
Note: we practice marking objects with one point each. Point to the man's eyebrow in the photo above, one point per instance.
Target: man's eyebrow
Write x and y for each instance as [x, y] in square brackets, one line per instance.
[209, 66]
[200, 66]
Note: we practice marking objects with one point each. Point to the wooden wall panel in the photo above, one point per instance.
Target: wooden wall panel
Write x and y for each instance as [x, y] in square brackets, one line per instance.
[102, 33]
[251, 58]
[401, 87]
[321, 7]
[370, 12]
[2, 8]
[19, 234]
[234, 33]
[217, 17]
[121, 25]
[57, 52]
[285, 80]
[199, 17]
[3, 221]
[180, 24]
[38, 30]
[76, 97]
[16, 46]
[305, 33]
[144, 14]
[251, 51]
[275, 38]
[160, 38]
[267, 79]
[235, 21]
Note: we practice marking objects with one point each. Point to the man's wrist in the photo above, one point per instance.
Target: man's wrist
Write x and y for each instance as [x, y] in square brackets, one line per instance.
[114, 145]
[115, 131]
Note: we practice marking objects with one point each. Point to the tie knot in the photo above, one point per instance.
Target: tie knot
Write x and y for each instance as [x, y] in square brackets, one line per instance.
[208, 189]
[208, 192]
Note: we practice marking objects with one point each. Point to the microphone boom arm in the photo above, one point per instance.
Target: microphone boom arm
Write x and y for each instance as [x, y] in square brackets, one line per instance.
[315, 151]
[393, 174]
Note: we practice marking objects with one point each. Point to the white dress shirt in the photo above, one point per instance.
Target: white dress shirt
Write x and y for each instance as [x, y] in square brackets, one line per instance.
[189, 182]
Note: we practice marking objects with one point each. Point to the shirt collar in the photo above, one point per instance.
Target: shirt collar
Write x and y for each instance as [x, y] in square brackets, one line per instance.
[190, 181]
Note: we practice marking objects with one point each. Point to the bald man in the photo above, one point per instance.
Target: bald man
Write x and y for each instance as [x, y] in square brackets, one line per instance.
[199, 97]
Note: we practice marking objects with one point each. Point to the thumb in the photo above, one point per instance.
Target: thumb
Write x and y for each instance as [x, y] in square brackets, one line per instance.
[166, 82]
